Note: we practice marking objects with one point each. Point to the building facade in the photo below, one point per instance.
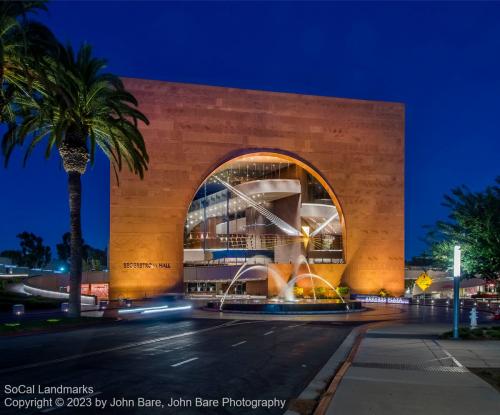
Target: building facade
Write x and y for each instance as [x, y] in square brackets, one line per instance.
[274, 181]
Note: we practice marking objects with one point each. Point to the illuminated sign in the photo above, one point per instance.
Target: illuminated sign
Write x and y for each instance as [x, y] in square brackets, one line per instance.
[386, 300]
[146, 265]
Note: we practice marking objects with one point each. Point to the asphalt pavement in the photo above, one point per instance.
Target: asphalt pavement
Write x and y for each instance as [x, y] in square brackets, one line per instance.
[260, 362]
[165, 359]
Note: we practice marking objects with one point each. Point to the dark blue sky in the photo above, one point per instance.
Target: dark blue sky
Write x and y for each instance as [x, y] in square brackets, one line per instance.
[442, 60]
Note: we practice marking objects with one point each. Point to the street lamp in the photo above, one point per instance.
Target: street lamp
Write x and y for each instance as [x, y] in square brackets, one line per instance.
[456, 288]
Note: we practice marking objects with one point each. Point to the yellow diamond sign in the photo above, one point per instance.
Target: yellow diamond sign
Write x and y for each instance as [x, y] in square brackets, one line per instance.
[423, 281]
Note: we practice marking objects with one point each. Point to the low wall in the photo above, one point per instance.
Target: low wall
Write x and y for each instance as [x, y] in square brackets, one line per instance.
[86, 299]
[50, 285]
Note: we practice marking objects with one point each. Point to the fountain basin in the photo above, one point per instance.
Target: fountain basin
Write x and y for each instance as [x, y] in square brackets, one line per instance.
[286, 307]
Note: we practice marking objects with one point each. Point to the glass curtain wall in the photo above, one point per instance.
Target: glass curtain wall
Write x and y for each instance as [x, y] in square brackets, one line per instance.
[263, 209]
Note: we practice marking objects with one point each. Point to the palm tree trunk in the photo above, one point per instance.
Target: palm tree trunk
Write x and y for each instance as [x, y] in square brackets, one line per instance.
[75, 276]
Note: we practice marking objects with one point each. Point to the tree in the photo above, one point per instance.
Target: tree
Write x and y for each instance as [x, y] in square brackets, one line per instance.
[33, 253]
[77, 107]
[424, 261]
[21, 39]
[474, 224]
[14, 255]
[64, 248]
[94, 259]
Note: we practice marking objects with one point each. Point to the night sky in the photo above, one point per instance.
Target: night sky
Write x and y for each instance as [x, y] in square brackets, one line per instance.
[441, 60]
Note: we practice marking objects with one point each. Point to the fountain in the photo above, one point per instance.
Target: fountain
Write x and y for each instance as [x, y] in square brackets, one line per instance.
[274, 205]
[286, 303]
[303, 260]
[242, 271]
[310, 275]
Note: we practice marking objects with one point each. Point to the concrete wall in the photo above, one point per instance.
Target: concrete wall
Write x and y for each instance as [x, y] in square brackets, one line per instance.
[356, 146]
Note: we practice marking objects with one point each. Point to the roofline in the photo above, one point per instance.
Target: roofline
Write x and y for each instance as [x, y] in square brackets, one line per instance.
[296, 94]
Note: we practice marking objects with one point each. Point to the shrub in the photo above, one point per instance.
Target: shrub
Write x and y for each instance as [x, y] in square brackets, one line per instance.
[320, 292]
[384, 293]
[343, 290]
[298, 292]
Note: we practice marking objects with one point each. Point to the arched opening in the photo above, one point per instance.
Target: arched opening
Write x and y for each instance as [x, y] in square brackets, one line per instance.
[266, 209]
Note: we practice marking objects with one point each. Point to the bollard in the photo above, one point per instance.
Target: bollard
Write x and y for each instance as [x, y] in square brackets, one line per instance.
[64, 307]
[18, 309]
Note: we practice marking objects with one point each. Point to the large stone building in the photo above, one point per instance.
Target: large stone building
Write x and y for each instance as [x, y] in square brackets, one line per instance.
[296, 186]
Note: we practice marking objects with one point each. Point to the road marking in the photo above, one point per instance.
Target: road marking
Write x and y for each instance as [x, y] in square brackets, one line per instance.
[237, 344]
[184, 362]
[268, 333]
[452, 358]
[448, 354]
[159, 349]
[111, 349]
[295, 325]
[156, 352]
[50, 409]
[440, 358]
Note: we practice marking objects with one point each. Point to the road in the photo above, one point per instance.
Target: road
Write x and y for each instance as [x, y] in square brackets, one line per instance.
[186, 358]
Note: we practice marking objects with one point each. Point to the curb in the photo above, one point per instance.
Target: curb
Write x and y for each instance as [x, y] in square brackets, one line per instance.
[325, 383]
[320, 382]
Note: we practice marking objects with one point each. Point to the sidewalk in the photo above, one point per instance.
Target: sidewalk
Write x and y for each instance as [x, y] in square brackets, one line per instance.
[404, 369]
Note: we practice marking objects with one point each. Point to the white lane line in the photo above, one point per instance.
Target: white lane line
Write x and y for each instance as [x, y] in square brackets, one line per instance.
[111, 349]
[158, 349]
[237, 344]
[157, 352]
[184, 362]
[295, 325]
[440, 358]
[50, 409]
[268, 333]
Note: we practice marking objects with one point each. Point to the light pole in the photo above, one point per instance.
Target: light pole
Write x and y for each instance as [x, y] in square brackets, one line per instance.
[456, 288]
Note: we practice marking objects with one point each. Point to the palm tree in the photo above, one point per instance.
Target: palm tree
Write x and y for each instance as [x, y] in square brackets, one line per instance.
[22, 40]
[77, 107]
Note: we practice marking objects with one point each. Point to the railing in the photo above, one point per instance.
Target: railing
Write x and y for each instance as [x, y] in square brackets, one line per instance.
[319, 243]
